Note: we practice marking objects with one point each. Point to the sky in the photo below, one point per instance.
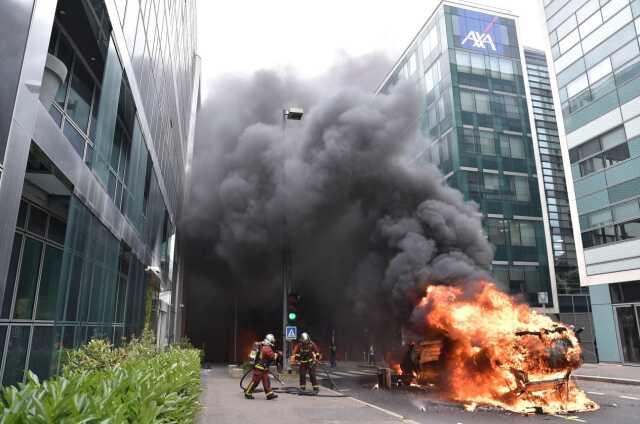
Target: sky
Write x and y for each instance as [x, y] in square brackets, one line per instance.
[308, 37]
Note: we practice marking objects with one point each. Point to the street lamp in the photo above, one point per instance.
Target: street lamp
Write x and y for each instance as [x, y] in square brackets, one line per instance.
[294, 114]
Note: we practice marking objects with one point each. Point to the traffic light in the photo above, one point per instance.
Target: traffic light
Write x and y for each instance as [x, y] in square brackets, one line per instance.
[292, 308]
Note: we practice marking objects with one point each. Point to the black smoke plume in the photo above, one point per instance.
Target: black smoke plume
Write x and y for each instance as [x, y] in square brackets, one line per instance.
[368, 226]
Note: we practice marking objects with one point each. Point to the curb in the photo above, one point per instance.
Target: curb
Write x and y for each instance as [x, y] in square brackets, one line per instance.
[615, 380]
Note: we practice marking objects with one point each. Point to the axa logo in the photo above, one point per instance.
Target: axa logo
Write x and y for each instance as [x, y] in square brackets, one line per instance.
[480, 40]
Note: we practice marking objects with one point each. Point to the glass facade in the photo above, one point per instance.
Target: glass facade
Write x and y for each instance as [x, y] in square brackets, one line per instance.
[597, 58]
[594, 45]
[97, 213]
[476, 128]
[574, 305]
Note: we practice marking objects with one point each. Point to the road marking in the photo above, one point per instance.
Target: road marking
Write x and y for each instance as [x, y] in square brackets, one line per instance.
[630, 397]
[596, 393]
[362, 373]
[335, 377]
[572, 418]
[344, 374]
[386, 411]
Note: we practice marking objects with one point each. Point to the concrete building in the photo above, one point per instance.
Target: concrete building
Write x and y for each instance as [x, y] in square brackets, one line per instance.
[96, 121]
[596, 61]
[489, 137]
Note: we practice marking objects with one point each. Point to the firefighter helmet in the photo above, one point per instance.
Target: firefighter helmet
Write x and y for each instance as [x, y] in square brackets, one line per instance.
[270, 340]
[304, 337]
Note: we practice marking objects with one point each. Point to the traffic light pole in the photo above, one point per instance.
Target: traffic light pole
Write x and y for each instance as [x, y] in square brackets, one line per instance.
[285, 359]
[287, 271]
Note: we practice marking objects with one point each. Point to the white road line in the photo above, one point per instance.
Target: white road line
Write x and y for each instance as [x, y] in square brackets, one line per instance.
[361, 373]
[596, 393]
[335, 377]
[386, 411]
[344, 374]
[630, 397]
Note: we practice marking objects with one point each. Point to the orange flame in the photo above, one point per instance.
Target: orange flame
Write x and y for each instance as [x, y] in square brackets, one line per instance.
[500, 353]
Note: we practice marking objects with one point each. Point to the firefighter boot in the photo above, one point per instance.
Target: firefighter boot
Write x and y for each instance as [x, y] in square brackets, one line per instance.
[316, 390]
[248, 393]
[271, 396]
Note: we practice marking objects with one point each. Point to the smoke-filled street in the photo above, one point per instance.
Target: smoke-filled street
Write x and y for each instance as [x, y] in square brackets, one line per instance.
[619, 404]
[332, 211]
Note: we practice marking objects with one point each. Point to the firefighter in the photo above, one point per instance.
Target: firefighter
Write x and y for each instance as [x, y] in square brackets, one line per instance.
[306, 354]
[264, 356]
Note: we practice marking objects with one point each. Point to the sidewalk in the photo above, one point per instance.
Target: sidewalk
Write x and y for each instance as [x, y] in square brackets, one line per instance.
[223, 402]
[609, 373]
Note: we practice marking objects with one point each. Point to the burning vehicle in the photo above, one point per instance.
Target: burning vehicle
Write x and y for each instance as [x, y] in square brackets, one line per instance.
[481, 347]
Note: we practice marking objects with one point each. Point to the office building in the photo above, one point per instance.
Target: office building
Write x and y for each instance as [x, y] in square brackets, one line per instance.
[96, 125]
[596, 64]
[477, 126]
[573, 299]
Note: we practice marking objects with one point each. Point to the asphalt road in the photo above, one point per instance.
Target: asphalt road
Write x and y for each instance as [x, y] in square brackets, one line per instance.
[619, 404]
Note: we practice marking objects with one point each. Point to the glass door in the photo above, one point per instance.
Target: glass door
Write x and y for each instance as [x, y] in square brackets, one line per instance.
[629, 332]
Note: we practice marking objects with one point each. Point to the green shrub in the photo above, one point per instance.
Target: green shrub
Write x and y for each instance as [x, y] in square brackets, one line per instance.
[100, 354]
[95, 355]
[140, 388]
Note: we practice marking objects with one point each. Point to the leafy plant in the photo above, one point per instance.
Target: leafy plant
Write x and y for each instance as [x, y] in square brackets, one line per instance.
[126, 385]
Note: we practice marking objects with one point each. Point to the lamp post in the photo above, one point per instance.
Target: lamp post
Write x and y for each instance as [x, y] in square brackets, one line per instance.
[294, 114]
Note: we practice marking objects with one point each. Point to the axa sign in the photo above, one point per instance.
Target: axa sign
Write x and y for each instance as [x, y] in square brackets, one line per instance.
[479, 40]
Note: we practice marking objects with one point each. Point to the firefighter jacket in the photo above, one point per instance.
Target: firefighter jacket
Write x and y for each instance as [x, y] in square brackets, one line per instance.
[265, 357]
[306, 353]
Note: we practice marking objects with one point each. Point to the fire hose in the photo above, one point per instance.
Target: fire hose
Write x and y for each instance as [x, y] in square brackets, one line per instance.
[292, 390]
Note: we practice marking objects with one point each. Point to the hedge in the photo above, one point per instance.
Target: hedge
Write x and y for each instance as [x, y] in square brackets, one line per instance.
[148, 387]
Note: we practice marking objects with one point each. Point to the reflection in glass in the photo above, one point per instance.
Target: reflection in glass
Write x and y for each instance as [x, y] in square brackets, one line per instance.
[48, 292]
[16, 355]
[629, 333]
[28, 279]
[42, 351]
[79, 102]
[11, 277]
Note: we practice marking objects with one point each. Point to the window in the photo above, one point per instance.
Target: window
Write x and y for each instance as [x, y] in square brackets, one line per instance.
[506, 69]
[591, 165]
[612, 233]
[577, 85]
[599, 71]
[432, 77]
[80, 94]
[523, 233]
[609, 157]
[482, 103]
[466, 101]
[519, 186]
[477, 64]
[615, 155]
[590, 24]
[569, 41]
[463, 59]
[497, 231]
[468, 141]
[430, 42]
[487, 143]
[472, 101]
[512, 146]
[412, 64]
[27, 279]
[491, 181]
[587, 149]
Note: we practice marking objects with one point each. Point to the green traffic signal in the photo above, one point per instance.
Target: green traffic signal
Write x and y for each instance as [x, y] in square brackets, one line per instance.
[292, 316]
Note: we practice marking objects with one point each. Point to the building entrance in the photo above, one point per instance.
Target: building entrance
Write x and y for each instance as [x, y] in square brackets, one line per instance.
[628, 318]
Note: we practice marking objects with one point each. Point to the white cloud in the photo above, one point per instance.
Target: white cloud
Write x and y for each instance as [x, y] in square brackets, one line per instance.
[240, 36]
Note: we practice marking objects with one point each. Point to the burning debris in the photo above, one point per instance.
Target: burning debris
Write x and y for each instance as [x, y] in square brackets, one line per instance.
[483, 348]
